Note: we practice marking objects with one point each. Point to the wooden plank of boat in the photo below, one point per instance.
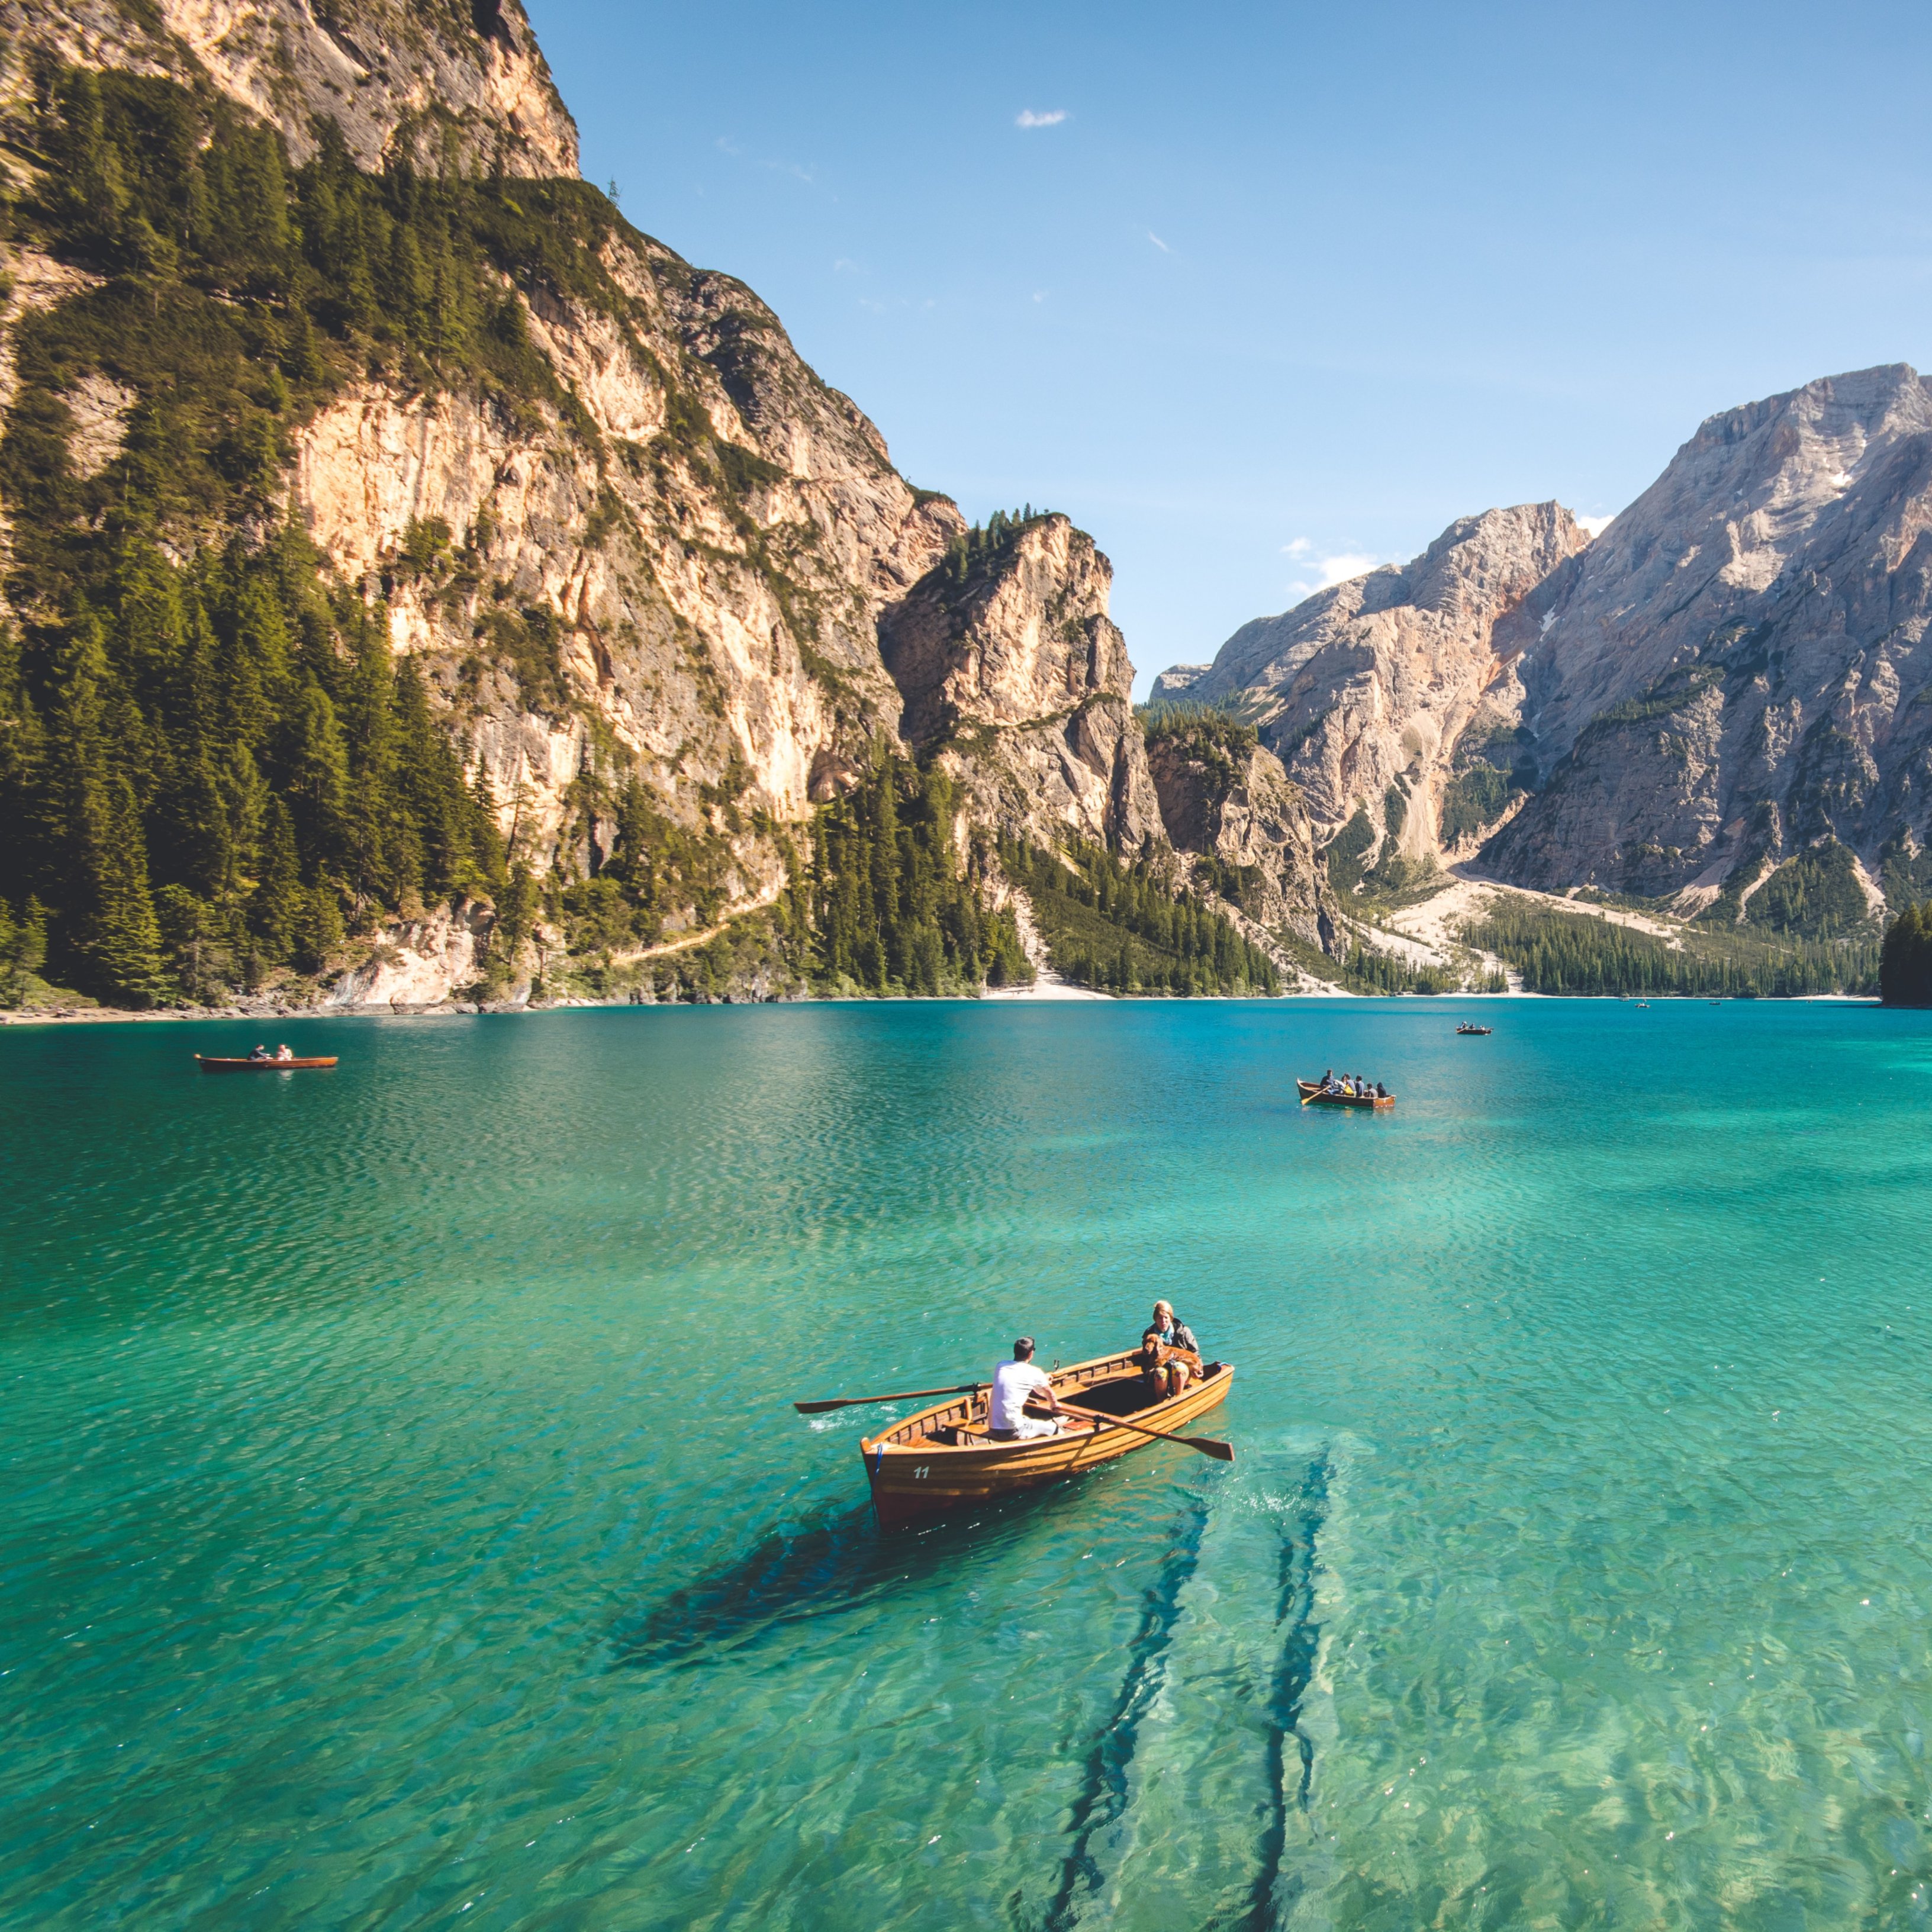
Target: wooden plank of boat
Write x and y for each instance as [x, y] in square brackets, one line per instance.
[942, 1459]
[1311, 1092]
[213, 1064]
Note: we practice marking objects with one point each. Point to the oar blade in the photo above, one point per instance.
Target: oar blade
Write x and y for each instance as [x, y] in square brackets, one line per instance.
[1222, 1452]
[818, 1408]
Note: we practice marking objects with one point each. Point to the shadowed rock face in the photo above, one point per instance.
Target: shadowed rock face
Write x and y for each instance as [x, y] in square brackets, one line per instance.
[1016, 668]
[1374, 681]
[1737, 667]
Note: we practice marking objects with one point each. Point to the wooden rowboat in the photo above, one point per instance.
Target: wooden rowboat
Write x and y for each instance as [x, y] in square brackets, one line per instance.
[1471, 1032]
[942, 1459]
[212, 1064]
[1312, 1095]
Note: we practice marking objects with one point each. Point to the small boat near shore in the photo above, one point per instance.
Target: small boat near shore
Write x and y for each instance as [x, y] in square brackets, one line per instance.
[1312, 1096]
[943, 1459]
[210, 1062]
[1469, 1032]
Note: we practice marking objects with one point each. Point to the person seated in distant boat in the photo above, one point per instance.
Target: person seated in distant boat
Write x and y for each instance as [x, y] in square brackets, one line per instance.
[260, 1052]
[284, 1051]
[1016, 1384]
[1381, 1092]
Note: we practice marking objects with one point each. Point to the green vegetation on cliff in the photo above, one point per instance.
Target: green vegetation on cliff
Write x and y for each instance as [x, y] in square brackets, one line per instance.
[892, 908]
[1580, 953]
[208, 767]
[210, 761]
[1128, 930]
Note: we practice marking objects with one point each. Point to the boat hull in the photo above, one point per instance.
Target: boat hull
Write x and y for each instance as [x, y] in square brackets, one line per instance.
[915, 1476]
[210, 1064]
[1312, 1094]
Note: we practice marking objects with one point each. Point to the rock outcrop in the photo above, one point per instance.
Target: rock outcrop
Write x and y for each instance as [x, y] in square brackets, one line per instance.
[1011, 670]
[1174, 683]
[1231, 802]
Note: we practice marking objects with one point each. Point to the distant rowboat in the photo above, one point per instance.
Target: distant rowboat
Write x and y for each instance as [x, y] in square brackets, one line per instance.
[211, 1063]
[1312, 1096]
[942, 1459]
[1470, 1031]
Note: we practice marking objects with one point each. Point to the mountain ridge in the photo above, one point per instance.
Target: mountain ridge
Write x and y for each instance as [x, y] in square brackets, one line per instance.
[1729, 675]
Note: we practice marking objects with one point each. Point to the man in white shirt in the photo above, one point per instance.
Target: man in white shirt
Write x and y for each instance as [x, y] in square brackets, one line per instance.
[1014, 1383]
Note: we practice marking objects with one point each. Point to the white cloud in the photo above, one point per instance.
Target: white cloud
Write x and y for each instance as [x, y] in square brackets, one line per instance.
[1596, 526]
[1052, 118]
[1336, 569]
[1039, 295]
[1159, 243]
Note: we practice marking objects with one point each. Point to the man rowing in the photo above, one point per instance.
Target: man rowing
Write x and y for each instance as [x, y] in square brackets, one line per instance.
[1015, 1384]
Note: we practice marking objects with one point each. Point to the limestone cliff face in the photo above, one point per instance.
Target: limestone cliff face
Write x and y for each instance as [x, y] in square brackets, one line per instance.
[1011, 664]
[1238, 807]
[1738, 667]
[713, 593]
[375, 67]
[1371, 685]
[1736, 670]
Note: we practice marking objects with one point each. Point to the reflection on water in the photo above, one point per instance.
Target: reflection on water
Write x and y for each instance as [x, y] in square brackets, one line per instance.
[407, 1521]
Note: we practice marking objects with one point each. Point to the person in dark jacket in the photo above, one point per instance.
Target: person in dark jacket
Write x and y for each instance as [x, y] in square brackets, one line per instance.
[1174, 1333]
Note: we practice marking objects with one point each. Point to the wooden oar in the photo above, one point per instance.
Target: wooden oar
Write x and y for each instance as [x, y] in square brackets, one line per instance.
[1222, 1452]
[905, 1395]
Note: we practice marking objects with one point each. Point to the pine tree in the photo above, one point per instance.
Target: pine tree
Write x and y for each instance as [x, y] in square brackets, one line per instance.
[279, 908]
[121, 939]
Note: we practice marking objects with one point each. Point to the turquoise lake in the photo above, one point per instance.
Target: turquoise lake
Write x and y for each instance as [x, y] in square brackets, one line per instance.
[406, 1522]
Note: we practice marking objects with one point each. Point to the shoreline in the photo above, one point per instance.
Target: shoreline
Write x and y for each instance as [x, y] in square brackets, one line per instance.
[1058, 995]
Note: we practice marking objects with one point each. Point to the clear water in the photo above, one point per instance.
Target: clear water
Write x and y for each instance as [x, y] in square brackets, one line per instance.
[406, 1523]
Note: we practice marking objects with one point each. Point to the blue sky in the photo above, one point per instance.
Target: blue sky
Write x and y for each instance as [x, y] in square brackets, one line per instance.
[1261, 295]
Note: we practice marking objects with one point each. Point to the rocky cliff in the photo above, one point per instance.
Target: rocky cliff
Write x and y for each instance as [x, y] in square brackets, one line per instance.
[1226, 799]
[468, 72]
[664, 589]
[1014, 675]
[1736, 671]
[1732, 675]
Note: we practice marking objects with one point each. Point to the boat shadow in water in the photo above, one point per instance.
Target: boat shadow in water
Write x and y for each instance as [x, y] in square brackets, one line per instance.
[837, 1560]
[1107, 1790]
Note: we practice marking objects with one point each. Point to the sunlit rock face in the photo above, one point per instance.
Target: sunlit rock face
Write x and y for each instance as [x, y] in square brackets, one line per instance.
[1735, 669]
[1013, 668]
[1370, 685]
[1732, 672]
